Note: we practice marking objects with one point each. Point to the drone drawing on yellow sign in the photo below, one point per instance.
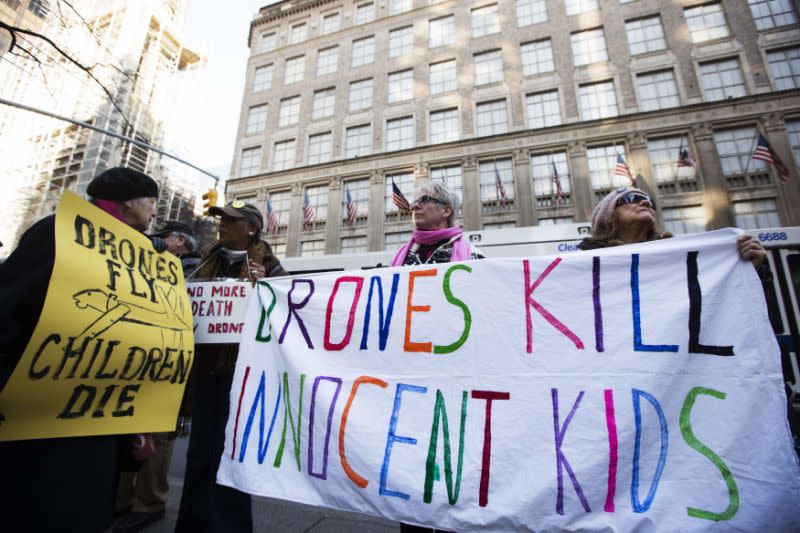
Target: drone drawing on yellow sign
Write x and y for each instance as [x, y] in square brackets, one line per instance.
[113, 347]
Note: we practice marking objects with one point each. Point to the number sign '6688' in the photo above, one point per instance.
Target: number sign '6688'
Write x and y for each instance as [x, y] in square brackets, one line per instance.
[776, 236]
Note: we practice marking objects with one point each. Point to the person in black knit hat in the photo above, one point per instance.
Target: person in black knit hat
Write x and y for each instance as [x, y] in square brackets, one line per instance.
[59, 484]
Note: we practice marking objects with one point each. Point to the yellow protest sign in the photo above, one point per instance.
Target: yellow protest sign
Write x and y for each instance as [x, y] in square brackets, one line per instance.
[113, 347]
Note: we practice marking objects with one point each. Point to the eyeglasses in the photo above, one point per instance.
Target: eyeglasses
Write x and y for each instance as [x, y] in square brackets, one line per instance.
[424, 199]
[635, 198]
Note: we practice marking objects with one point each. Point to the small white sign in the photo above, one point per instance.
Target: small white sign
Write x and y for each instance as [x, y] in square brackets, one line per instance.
[218, 310]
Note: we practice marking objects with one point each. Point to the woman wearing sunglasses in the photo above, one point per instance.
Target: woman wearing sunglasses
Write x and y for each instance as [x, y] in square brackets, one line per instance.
[625, 216]
[628, 216]
[435, 239]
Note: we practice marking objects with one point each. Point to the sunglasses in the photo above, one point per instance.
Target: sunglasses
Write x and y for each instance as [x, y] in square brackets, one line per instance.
[424, 199]
[635, 198]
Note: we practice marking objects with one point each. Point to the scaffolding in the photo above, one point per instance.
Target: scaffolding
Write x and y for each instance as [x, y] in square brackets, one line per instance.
[136, 54]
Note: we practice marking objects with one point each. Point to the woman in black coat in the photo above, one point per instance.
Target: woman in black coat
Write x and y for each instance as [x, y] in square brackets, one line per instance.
[62, 484]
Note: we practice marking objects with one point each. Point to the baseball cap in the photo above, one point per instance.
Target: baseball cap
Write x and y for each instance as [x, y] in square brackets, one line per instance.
[173, 225]
[240, 209]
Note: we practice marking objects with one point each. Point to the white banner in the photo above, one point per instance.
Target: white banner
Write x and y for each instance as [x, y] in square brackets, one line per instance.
[631, 388]
[218, 309]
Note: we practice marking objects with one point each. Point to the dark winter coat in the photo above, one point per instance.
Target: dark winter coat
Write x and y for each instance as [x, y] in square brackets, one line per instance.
[210, 358]
[64, 484]
[206, 506]
[189, 263]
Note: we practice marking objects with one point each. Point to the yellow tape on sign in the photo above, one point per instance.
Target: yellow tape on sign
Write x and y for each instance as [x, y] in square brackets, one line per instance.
[113, 347]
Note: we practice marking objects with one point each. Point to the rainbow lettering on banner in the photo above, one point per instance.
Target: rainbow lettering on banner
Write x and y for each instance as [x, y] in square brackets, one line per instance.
[317, 380]
[440, 412]
[613, 455]
[542, 311]
[383, 323]
[293, 308]
[561, 460]
[354, 477]
[440, 415]
[333, 346]
[691, 440]
[392, 437]
[638, 506]
[448, 292]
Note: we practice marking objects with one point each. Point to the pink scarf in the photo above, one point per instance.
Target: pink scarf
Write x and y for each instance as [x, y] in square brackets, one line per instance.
[110, 207]
[462, 251]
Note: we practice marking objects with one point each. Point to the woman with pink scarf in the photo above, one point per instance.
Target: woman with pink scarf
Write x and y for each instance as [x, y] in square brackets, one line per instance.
[435, 239]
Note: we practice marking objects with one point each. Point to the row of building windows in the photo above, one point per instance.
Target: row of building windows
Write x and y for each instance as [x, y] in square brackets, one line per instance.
[550, 175]
[751, 214]
[656, 90]
[491, 118]
[705, 22]
[720, 79]
[589, 46]
[40, 8]
[678, 220]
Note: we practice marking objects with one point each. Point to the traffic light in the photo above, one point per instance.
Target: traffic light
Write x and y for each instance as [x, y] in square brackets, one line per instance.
[209, 200]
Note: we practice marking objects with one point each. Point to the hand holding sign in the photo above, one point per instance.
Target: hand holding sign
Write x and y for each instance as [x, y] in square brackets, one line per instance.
[256, 271]
[113, 346]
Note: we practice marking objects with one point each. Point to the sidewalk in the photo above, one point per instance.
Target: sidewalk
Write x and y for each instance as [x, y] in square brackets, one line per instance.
[271, 515]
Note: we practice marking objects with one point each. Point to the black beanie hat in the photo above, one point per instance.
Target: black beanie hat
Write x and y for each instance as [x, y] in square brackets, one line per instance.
[119, 184]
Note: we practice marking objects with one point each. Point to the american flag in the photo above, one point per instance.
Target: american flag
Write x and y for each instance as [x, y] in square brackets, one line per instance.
[399, 199]
[351, 209]
[623, 170]
[557, 183]
[501, 190]
[684, 159]
[272, 219]
[308, 211]
[764, 152]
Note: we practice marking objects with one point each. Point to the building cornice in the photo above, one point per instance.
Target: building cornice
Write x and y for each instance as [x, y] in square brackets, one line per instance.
[282, 10]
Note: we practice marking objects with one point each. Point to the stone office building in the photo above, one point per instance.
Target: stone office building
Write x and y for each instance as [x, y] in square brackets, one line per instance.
[345, 97]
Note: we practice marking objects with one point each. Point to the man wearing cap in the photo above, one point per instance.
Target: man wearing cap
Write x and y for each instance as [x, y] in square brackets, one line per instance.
[181, 242]
[239, 252]
[63, 484]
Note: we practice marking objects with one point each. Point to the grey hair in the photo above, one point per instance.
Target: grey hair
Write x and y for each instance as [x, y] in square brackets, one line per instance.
[443, 193]
[191, 242]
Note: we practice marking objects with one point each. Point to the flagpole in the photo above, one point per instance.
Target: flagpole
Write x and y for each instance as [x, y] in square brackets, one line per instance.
[677, 163]
[497, 182]
[750, 153]
[496, 188]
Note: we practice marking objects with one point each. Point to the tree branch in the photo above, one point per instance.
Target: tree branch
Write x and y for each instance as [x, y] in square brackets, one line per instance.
[88, 70]
[38, 63]
[72, 8]
[97, 39]
[13, 40]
